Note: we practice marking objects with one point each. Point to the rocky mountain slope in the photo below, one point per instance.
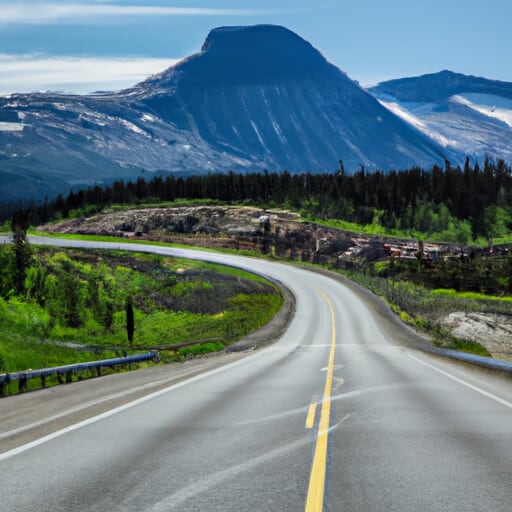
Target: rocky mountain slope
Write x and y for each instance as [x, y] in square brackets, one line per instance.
[253, 98]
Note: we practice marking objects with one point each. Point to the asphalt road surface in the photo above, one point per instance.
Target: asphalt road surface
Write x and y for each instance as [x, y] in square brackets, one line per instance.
[335, 416]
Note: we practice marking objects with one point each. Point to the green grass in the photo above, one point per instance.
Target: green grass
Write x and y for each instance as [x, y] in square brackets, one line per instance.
[367, 229]
[179, 202]
[502, 240]
[469, 295]
[236, 272]
[444, 339]
[23, 339]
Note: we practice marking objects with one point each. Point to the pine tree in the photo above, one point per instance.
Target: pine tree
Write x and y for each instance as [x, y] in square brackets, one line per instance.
[22, 250]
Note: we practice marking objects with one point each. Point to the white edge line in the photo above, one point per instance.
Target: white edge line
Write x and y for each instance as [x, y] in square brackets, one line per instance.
[464, 383]
[20, 449]
[93, 403]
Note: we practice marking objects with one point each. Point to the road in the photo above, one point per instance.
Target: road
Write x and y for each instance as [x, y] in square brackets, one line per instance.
[337, 415]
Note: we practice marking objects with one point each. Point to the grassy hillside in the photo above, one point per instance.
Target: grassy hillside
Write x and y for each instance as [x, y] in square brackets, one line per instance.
[72, 306]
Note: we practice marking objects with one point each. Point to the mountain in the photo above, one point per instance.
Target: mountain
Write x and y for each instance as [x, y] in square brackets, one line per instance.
[253, 98]
[268, 96]
[467, 114]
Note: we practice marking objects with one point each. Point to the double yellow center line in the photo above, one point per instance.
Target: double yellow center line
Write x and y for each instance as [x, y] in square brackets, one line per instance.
[316, 489]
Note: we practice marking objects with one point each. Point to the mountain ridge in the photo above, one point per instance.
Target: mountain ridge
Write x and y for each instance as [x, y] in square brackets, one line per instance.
[441, 85]
[468, 114]
[253, 98]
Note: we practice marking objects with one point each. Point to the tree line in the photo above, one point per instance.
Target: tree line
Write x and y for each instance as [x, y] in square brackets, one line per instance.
[415, 199]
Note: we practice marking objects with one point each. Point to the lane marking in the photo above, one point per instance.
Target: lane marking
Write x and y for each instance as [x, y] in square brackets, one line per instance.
[316, 489]
[338, 382]
[464, 383]
[336, 367]
[310, 420]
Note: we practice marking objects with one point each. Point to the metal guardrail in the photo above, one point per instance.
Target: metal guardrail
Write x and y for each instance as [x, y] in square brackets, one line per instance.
[482, 361]
[65, 373]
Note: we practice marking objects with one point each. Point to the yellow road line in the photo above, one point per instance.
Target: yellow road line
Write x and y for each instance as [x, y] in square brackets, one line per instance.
[310, 420]
[316, 489]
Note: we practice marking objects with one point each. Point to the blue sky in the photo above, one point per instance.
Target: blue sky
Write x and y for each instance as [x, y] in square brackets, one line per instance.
[82, 46]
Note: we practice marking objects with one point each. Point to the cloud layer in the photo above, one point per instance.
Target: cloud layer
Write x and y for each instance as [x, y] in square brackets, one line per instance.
[55, 13]
[79, 75]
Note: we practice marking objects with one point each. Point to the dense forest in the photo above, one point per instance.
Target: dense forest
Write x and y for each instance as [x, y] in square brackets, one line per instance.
[476, 199]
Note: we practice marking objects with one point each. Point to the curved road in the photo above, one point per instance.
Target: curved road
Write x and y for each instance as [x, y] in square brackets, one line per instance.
[335, 416]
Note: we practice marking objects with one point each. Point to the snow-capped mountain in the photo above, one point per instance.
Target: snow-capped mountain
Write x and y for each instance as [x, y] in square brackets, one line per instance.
[469, 115]
[253, 98]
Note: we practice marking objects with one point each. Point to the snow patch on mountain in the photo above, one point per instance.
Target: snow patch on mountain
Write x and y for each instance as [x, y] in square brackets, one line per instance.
[405, 111]
[459, 125]
[133, 127]
[11, 127]
[487, 104]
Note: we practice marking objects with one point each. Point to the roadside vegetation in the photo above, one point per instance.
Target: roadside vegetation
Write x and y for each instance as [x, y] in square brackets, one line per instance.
[72, 306]
[423, 307]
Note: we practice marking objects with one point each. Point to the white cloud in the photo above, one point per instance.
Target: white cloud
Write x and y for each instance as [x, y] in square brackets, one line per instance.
[79, 75]
[54, 13]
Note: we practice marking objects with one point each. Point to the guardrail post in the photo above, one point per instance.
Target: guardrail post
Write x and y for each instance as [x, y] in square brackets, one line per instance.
[4, 388]
[69, 377]
[43, 381]
[22, 384]
[59, 378]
